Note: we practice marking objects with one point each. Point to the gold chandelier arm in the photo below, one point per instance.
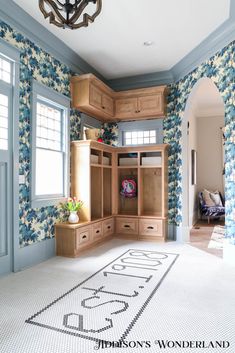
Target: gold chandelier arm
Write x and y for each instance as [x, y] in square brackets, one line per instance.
[86, 17]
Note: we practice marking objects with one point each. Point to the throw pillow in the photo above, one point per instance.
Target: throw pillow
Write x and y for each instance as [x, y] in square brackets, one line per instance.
[207, 198]
[216, 198]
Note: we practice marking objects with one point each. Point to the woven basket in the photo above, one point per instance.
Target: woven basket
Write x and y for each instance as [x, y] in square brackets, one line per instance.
[92, 134]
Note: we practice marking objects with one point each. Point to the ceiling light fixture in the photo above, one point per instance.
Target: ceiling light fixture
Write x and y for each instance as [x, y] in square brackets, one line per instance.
[69, 14]
[148, 43]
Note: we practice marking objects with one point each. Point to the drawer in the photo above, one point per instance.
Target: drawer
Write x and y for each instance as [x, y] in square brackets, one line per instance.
[151, 227]
[97, 230]
[127, 226]
[108, 227]
[83, 236]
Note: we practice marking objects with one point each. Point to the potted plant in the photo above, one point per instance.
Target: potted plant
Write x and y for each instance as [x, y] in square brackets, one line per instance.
[73, 206]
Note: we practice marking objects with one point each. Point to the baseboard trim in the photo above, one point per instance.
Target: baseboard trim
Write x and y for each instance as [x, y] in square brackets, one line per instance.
[36, 253]
[182, 234]
[229, 253]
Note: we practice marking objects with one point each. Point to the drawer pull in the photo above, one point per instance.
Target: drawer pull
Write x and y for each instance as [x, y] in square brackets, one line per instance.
[150, 227]
[84, 237]
[109, 227]
[97, 232]
[127, 226]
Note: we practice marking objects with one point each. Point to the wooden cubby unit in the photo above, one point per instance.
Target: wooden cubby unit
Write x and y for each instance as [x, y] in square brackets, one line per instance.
[97, 182]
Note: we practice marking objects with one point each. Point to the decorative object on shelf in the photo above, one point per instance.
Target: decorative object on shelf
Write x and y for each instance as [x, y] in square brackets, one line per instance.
[129, 187]
[73, 206]
[69, 14]
[73, 217]
[92, 134]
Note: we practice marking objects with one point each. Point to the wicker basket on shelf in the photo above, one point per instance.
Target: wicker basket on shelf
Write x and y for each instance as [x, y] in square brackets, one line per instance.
[92, 134]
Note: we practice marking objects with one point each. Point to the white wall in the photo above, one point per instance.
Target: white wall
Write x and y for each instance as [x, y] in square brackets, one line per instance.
[209, 156]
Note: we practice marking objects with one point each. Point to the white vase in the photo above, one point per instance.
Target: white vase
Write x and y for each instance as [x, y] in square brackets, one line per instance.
[73, 217]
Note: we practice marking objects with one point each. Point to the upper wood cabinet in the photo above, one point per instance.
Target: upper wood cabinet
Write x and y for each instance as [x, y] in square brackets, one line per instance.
[92, 96]
[141, 103]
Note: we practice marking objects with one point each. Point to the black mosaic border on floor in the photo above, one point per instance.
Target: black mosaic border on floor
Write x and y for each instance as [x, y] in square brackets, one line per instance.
[129, 328]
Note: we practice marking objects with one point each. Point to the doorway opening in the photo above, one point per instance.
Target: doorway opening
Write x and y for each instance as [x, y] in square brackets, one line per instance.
[203, 168]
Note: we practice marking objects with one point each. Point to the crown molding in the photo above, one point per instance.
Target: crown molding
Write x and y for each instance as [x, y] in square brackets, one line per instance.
[141, 81]
[216, 41]
[21, 21]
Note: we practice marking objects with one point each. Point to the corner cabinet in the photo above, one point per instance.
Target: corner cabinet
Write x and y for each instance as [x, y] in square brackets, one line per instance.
[98, 174]
[93, 97]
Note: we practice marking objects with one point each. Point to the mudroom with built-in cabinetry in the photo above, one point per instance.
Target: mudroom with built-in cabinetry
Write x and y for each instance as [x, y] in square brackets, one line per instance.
[124, 189]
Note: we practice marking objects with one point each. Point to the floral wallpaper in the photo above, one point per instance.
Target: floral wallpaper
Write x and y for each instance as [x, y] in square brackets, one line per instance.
[221, 70]
[36, 224]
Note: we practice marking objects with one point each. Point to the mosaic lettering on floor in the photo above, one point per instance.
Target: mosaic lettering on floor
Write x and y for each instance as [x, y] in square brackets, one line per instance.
[107, 305]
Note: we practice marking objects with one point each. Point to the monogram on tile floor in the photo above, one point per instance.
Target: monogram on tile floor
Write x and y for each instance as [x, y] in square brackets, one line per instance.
[100, 307]
[119, 291]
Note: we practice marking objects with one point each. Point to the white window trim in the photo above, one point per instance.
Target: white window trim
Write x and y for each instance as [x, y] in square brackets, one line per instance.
[40, 91]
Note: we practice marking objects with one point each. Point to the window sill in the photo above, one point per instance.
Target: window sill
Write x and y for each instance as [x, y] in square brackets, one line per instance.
[39, 203]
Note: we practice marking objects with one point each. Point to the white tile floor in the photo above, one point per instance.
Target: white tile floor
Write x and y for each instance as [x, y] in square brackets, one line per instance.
[196, 301]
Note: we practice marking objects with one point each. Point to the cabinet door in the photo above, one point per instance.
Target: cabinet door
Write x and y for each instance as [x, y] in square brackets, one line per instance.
[151, 105]
[107, 104]
[126, 107]
[95, 96]
[108, 227]
[127, 226]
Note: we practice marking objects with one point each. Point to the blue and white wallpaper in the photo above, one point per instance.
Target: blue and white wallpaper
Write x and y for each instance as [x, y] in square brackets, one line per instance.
[38, 224]
[221, 70]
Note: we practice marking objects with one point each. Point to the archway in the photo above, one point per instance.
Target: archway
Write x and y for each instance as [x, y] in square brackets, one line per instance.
[204, 101]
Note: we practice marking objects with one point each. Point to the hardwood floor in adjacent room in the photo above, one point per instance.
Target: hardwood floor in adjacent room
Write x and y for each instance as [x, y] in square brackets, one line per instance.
[200, 236]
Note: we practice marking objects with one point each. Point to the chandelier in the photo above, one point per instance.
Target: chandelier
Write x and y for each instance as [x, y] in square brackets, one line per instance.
[69, 14]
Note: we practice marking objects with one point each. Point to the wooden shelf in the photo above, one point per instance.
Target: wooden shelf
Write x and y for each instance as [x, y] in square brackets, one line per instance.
[150, 166]
[128, 167]
[96, 165]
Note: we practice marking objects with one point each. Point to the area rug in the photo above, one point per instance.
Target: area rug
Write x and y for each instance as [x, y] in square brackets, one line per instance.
[217, 238]
[106, 305]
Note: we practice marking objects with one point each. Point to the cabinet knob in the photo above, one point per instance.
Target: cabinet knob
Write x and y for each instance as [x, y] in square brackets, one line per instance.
[126, 226]
[150, 227]
[97, 231]
[103, 107]
[109, 227]
[84, 237]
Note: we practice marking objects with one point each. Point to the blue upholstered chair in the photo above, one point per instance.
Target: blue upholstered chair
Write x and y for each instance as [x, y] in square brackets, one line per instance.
[211, 211]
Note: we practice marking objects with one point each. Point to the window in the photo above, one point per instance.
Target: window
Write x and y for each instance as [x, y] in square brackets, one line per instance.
[50, 172]
[139, 137]
[5, 100]
[138, 133]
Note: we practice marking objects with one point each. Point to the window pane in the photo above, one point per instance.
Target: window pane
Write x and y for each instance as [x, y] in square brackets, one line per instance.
[49, 127]
[49, 172]
[5, 70]
[3, 144]
[3, 122]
